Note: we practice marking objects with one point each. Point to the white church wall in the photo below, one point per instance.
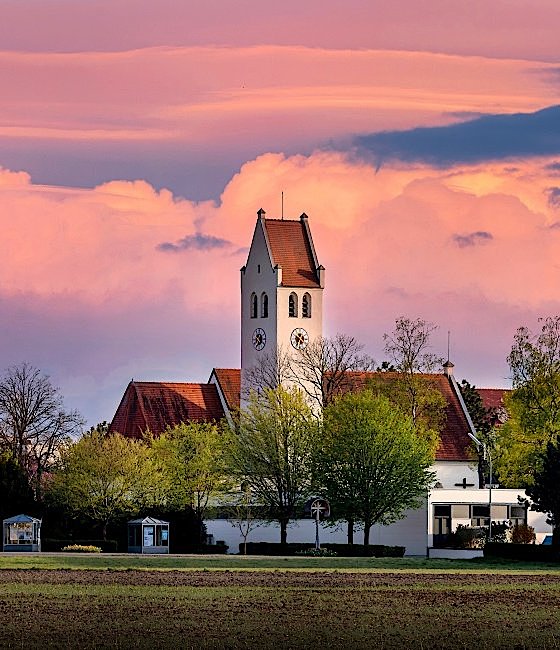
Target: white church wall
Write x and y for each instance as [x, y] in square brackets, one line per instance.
[258, 277]
[409, 532]
[450, 473]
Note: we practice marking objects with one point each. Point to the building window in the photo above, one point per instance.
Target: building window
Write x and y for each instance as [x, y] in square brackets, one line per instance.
[264, 306]
[306, 306]
[442, 524]
[254, 306]
[517, 515]
[480, 516]
[292, 306]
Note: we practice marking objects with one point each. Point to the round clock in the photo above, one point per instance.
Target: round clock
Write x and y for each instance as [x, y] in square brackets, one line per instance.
[299, 338]
[259, 338]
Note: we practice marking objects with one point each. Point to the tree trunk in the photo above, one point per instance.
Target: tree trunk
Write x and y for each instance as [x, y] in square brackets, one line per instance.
[283, 531]
[556, 536]
[104, 531]
[350, 531]
[367, 527]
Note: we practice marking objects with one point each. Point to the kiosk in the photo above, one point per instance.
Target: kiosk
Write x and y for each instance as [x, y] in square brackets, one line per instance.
[22, 533]
[148, 535]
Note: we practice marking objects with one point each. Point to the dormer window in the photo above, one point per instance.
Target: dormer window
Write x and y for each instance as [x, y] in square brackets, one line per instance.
[254, 306]
[292, 306]
[264, 305]
[306, 306]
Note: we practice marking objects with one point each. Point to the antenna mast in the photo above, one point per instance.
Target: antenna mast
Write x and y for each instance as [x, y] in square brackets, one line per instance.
[282, 206]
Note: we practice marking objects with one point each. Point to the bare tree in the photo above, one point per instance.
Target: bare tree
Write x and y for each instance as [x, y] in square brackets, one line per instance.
[408, 348]
[322, 369]
[33, 423]
[272, 369]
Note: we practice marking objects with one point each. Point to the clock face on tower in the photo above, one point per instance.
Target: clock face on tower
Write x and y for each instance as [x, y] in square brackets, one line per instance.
[259, 338]
[299, 338]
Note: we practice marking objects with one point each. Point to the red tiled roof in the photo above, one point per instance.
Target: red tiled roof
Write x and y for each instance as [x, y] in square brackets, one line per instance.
[229, 380]
[157, 405]
[493, 398]
[455, 443]
[291, 249]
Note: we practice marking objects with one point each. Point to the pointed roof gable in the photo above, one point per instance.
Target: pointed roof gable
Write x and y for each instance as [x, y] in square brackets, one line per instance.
[291, 248]
[154, 406]
[229, 383]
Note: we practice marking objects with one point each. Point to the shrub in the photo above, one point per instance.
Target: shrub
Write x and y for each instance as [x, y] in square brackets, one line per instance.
[467, 537]
[81, 548]
[317, 552]
[523, 534]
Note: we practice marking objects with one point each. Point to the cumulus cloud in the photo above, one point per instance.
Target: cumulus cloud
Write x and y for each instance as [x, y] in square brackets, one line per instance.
[87, 292]
[487, 138]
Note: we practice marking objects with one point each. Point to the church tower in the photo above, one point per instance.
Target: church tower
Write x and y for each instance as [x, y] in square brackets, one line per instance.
[281, 293]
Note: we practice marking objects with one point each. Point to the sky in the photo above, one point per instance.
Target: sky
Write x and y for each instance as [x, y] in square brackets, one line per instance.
[139, 139]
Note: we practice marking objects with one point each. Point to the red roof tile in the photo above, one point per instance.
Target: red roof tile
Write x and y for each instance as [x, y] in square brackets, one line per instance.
[493, 398]
[291, 249]
[156, 405]
[455, 443]
[229, 380]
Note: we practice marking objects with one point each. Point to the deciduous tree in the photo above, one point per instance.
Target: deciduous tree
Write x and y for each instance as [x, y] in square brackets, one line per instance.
[271, 452]
[406, 380]
[533, 405]
[372, 462]
[191, 459]
[105, 477]
[323, 368]
[34, 426]
[545, 491]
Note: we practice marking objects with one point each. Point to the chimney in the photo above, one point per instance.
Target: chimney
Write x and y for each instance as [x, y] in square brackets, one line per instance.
[261, 214]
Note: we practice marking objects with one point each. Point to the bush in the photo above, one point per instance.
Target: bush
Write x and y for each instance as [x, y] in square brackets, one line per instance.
[524, 552]
[466, 537]
[342, 550]
[197, 549]
[80, 548]
[523, 534]
[317, 552]
[106, 546]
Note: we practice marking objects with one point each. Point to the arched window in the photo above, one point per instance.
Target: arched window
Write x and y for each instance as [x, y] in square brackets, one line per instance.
[254, 306]
[292, 306]
[306, 306]
[264, 306]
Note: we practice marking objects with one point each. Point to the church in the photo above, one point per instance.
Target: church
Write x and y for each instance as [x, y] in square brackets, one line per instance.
[282, 287]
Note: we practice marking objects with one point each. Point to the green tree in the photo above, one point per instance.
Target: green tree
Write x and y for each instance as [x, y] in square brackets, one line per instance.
[545, 491]
[533, 405]
[192, 464]
[372, 463]
[271, 452]
[16, 496]
[483, 420]
[104, 478]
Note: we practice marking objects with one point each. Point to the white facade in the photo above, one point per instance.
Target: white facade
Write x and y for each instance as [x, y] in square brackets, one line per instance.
[269, 330]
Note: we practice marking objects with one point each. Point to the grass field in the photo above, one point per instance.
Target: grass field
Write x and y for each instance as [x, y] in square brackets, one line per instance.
[236, 602]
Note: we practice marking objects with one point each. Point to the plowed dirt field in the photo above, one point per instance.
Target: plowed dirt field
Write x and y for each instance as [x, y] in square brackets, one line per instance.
[276, 609]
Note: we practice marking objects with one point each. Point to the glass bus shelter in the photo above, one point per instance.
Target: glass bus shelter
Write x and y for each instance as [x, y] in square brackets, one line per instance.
[21, 533]
[148, 535]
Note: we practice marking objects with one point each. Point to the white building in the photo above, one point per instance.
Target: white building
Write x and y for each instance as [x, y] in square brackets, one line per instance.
[282, 287]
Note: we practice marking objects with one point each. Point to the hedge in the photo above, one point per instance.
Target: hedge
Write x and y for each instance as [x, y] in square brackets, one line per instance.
[343, 550]
[525, 552]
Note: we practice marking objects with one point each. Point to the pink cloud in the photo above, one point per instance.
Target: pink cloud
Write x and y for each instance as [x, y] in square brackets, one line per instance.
[89, 292]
